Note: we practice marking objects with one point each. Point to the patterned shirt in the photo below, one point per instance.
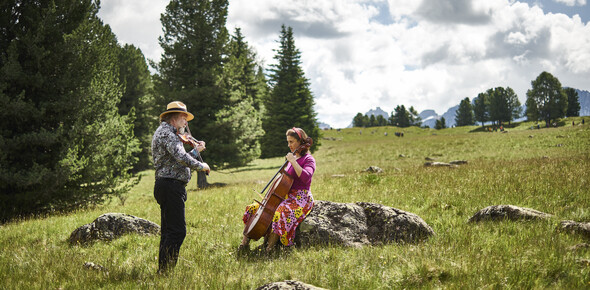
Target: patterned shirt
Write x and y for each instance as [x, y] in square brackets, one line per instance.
[170, 158]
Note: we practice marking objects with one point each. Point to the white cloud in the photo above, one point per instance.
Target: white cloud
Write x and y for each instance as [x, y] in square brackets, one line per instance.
[572, 2]
[362, 54]
[136, 22]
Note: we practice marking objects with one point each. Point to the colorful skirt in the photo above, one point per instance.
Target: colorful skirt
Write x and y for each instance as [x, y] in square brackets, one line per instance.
[289, 214]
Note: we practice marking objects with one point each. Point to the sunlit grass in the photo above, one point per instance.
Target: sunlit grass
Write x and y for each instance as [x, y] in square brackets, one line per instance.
[544, 169]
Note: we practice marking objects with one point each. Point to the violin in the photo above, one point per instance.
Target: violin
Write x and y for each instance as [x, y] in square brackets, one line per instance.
[259, 224]
[187, 138]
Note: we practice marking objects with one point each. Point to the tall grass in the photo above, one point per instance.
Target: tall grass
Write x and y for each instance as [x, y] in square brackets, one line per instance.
[544, 169]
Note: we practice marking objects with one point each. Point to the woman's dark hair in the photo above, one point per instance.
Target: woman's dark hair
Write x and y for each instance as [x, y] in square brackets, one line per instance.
[300, 135]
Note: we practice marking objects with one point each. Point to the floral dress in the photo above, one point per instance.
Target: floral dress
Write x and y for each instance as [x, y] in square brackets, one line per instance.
[293, 210]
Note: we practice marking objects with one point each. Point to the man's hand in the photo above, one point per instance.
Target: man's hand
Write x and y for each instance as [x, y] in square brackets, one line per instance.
[206, 167]
[201, 146]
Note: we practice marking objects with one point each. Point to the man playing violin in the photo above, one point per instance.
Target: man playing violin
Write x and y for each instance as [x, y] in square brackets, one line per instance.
[299, 202]
[173, 171]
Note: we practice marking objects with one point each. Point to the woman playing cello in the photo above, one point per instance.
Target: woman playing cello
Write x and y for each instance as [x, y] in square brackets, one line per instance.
[299, 202]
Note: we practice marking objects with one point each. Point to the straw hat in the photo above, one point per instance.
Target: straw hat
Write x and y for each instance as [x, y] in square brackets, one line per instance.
[177, 107]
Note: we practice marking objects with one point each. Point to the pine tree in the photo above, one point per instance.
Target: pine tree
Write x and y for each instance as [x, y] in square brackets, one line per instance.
[239, 119]
[358, 120]
[514, 109]
[191, 67]
[400, 117]
[262, 91]
[290, 103]
[498, 104]
[137, 95]
[415, 119]
[380, 121]
[573, 104]
[440, 124]
[546, 100]
[480, 108]
[464, 115]
[66, 145]
[372, 121]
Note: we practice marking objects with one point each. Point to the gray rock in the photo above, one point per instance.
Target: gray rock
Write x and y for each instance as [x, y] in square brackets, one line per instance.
[92, 266]
[509, 212]
[110, 226]
[287, 285]
[386, 224]
[359, 224]
[583, 262]
[439, 164]
[374, 169]
[579, 247]
[576, 228]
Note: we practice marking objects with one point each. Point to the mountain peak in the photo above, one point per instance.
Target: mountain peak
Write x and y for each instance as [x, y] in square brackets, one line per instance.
[378, 111]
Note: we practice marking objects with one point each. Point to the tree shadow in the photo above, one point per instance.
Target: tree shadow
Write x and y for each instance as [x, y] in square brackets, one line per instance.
[259, 254]
[253, 168]
[209, 185]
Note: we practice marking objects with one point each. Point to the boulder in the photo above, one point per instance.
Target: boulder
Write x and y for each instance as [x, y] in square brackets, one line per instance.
[509, 212]
[359, 224]
[110, 226]
[576, 228]
[374, 169]
[581, 246]
[583, 262]
[92, 266]
[287, 285]
[438, 164]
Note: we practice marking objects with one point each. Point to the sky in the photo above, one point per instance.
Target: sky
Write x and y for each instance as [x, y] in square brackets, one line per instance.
[429, 54]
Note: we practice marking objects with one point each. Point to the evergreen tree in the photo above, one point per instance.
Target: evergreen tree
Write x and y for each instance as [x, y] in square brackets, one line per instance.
[372, 121]
[191, 67]
[380, 121]
[262, 91]
[498, 104]
[546, 100]
[480, 109]
[358, 120]
[66, 145]
[239, 119]
[137, 95]
[573, 104]
[464, 115]
[400, 117]
[514, 107]
[290, 103]
[366, 121]
[440, 124]
[415, 119]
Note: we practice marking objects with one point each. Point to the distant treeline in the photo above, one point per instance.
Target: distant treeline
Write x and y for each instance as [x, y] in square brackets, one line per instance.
[78, 109]
[546, 101]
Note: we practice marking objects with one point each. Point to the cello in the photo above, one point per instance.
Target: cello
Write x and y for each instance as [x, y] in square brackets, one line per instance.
[259, 224]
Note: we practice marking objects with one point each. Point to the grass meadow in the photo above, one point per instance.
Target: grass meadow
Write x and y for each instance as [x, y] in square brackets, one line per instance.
[546, 169]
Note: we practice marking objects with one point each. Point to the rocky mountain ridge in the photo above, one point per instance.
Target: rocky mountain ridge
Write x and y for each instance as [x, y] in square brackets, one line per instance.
[429, 117]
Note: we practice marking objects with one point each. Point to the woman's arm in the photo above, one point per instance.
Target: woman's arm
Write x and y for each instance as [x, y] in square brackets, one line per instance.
[304, 172]
[293, 160]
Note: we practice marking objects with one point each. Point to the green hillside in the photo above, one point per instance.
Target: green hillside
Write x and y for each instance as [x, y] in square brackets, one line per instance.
[546, 169]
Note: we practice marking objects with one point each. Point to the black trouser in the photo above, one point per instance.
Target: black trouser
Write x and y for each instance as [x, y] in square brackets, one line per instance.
[171, 195]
